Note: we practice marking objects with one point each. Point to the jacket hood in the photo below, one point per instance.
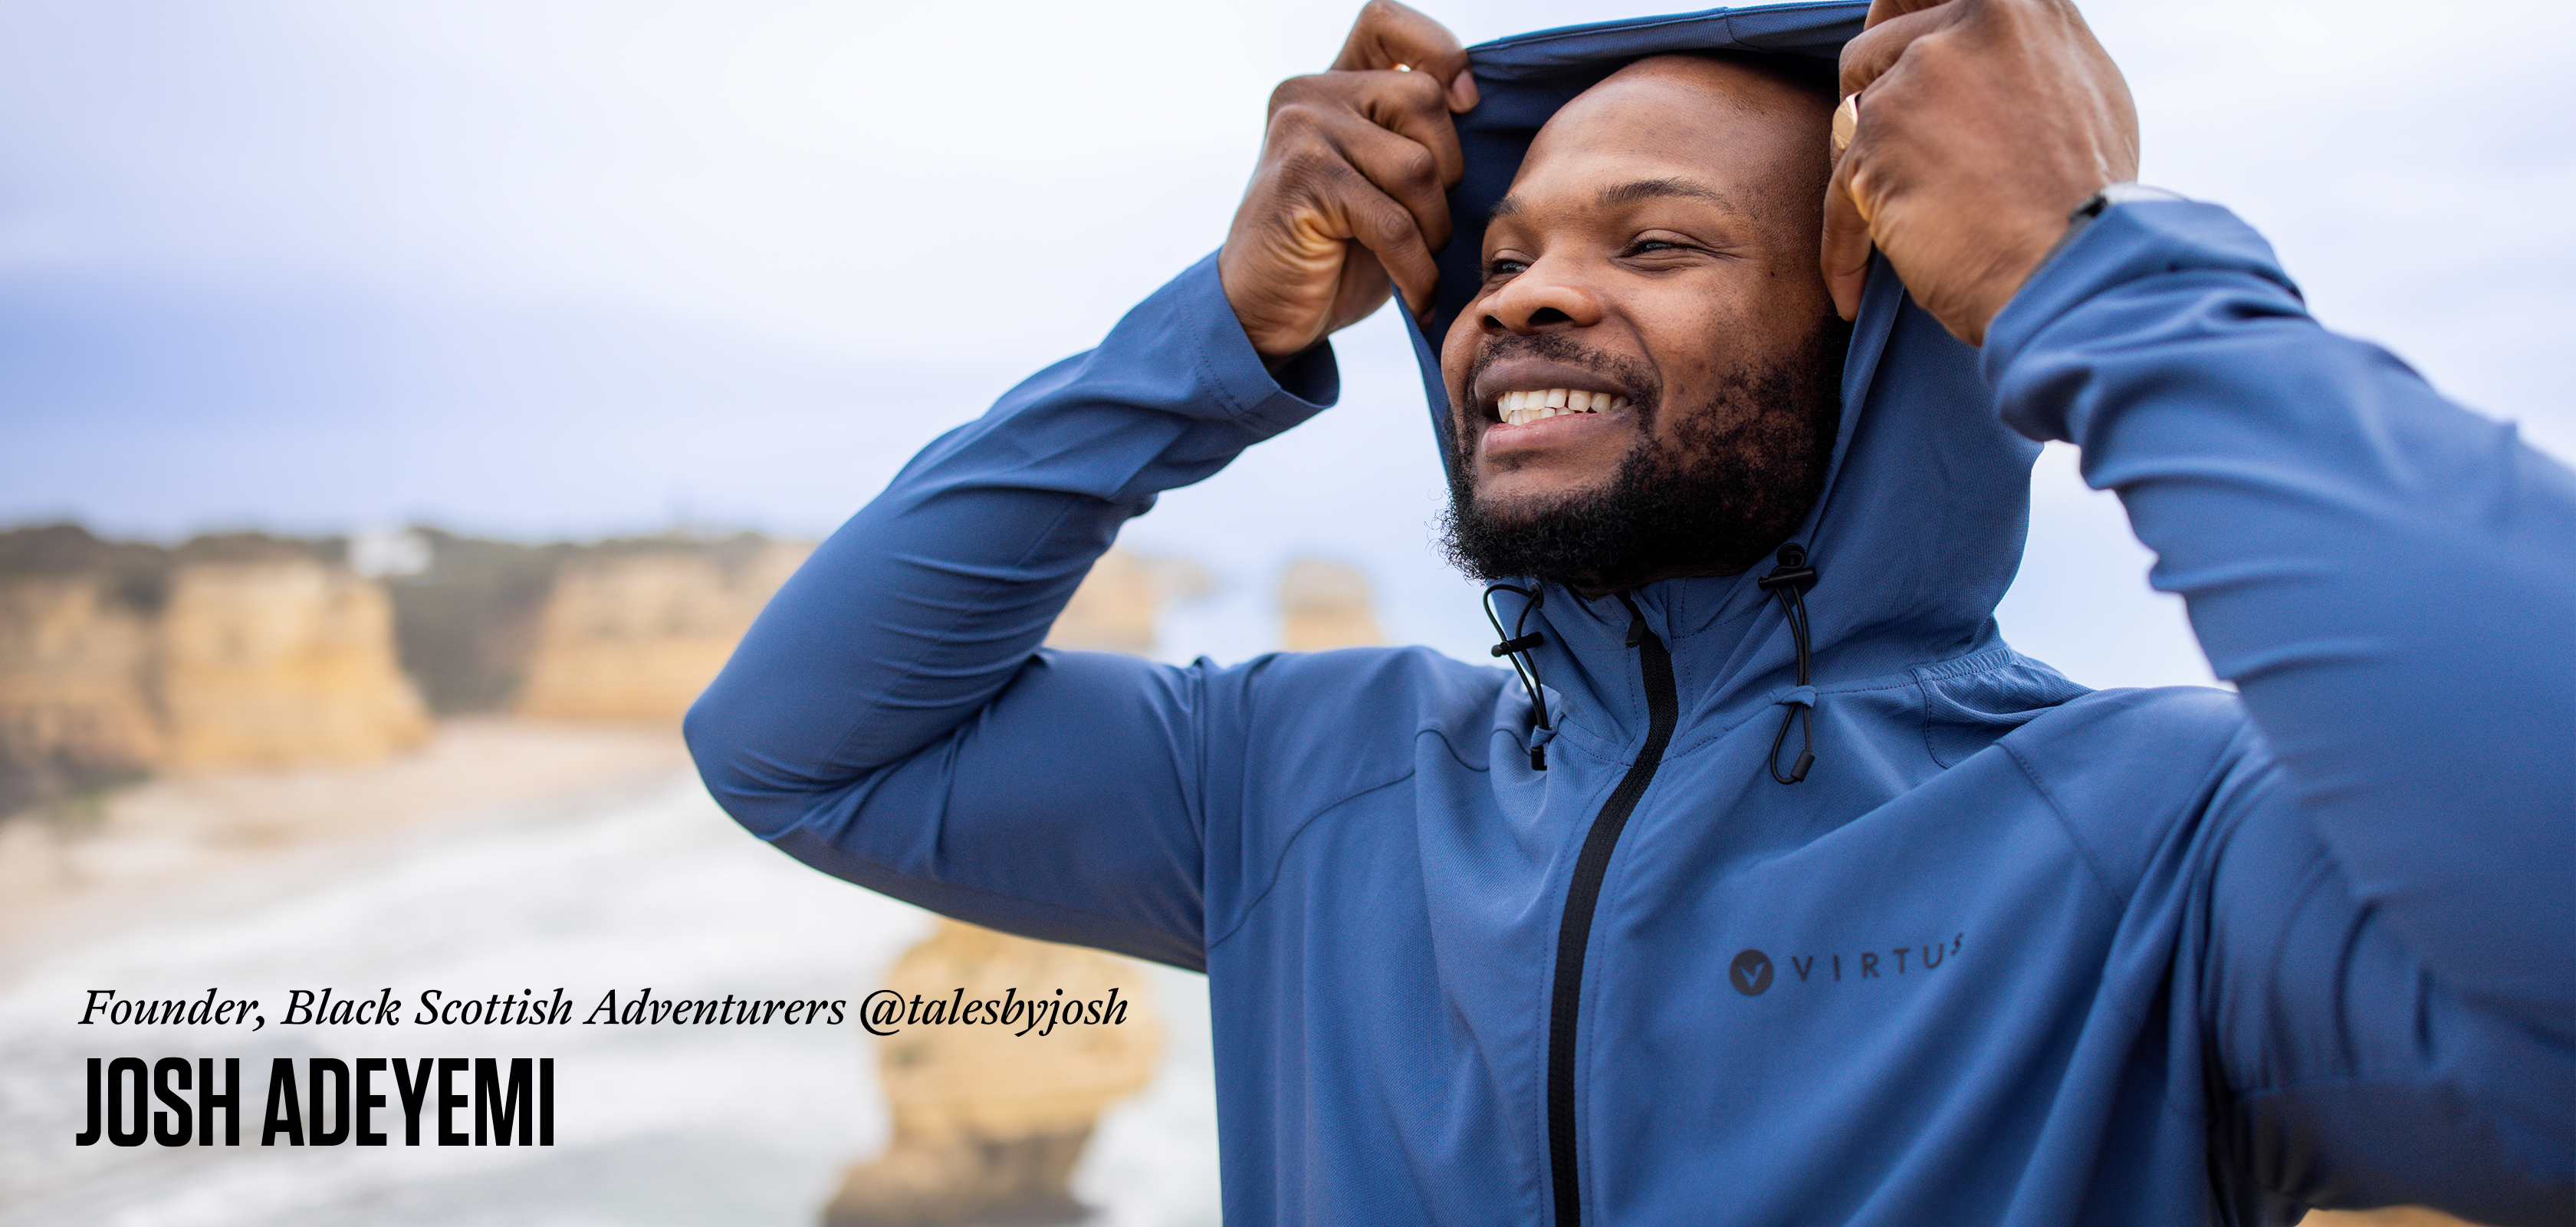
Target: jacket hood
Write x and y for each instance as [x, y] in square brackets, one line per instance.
[1920, 526]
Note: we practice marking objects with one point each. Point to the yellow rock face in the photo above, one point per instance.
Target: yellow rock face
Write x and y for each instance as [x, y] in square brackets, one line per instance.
[636, 637]
[1325, 605]
[1113, 610]
[1008, 1081]
[989, 1120]
[282, 663]
[72, 670]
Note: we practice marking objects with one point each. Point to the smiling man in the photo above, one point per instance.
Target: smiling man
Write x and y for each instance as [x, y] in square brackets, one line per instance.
[1648, 382]
[1772, 885]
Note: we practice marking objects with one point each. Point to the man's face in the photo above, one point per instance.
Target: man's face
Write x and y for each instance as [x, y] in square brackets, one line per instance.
[1645, 383]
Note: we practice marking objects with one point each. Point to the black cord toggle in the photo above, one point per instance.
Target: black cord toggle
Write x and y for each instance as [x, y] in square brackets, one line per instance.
[1789, 582]
[1515, 648]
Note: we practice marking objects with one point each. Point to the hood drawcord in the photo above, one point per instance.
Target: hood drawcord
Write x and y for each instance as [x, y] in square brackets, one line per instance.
[1789, 581]
[1515, 647]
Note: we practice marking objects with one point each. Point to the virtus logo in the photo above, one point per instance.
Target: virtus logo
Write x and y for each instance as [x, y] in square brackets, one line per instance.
[1751, 972]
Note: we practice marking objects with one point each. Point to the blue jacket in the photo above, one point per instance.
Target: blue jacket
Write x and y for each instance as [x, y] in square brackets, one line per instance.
[2012, 953]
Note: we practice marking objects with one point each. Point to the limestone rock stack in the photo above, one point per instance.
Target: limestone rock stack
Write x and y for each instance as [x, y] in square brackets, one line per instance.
[636, 634]
[1119, 602]
[74, 667]
[241, 651]
[275, 664]
[990, 1119]
[247, 651]
[1325, 605]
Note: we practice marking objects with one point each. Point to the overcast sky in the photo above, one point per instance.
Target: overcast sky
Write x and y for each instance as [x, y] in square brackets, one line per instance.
[556, 267]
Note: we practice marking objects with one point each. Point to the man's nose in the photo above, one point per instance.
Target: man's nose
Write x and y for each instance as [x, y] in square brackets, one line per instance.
[1542, 297]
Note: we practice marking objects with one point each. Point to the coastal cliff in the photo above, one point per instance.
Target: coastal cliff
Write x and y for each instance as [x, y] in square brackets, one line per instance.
[241, 651]
[244, 651]
[74, 705]
[1325, 605]
[281, 664]
[635, 635]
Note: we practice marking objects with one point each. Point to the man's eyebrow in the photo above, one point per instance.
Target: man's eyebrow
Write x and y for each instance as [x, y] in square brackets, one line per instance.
[1630, 193]
[1652, 189]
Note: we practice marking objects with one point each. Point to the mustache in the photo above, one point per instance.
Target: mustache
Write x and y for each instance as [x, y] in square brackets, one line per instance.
[1558, 347]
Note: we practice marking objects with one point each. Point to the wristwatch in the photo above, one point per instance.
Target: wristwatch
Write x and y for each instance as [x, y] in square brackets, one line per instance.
[2093, 207]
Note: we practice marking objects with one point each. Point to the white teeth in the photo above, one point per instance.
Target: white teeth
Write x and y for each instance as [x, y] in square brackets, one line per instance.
[1523, 408]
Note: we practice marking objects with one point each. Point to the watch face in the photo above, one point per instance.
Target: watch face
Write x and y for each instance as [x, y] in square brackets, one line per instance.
[2125, 193]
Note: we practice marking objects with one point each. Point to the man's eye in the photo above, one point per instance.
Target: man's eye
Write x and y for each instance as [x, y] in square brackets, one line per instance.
[1649, 246]
[1504, 268]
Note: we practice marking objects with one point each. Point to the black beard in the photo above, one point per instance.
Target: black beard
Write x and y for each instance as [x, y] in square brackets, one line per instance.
[1745, 467]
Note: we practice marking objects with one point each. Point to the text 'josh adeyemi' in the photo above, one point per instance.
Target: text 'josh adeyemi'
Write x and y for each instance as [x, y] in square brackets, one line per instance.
[335, 1101]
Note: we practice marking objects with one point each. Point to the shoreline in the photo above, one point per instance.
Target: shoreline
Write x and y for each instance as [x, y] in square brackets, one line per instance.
[158, 847]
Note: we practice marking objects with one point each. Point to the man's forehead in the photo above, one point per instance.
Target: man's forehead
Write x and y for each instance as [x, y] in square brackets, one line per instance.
[1675, 126]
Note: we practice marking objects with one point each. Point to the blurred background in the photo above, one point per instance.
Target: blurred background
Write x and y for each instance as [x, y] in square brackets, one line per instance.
[404, 405]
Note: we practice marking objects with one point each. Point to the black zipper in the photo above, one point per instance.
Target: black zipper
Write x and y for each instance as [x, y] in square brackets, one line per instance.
[1663, 711]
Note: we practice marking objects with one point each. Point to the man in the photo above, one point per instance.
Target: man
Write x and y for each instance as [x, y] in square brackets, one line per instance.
[1785, 892]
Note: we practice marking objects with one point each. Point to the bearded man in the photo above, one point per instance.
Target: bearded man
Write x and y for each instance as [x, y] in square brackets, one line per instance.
[1776, 887]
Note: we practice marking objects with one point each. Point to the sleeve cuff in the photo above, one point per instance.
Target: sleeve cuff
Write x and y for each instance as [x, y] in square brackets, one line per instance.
[2126, 245]
[1265, 403]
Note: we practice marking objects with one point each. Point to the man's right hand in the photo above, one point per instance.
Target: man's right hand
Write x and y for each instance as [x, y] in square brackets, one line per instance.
[1352, 186]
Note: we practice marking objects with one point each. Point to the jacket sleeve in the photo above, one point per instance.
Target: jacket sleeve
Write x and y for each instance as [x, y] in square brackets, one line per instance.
[890, 717]
[2389, 985]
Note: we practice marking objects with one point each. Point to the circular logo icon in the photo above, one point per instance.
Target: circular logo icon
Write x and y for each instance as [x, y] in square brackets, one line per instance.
[1751, 973]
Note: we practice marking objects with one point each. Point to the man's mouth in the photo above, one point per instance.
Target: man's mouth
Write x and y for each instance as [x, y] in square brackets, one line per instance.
[1523, 408]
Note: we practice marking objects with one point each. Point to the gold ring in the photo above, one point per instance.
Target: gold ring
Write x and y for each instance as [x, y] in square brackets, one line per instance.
[1846, 123]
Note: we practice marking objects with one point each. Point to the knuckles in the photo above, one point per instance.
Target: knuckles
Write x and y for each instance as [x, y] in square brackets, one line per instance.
[1378, 15]
[1400, 32]
[1309, 161]
[1295, 91]
[1359, 92]
[1415, 165]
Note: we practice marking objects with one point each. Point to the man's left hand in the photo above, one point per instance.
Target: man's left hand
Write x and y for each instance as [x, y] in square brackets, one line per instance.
[1981, 125]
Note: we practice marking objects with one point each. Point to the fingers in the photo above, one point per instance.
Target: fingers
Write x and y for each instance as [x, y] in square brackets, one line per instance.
[1345, 206]
[1404, 171]
[1350, 198]
[1387, 230]
[1882, 10]
[1869, 55]
[1390, 36]
[1415, 112]
[1350, 170]
[1892, 26]
[1844, 259]
[1392, 124]
[1979, 124]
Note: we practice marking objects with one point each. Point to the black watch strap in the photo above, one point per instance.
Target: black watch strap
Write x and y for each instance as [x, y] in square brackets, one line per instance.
[2099, 203]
